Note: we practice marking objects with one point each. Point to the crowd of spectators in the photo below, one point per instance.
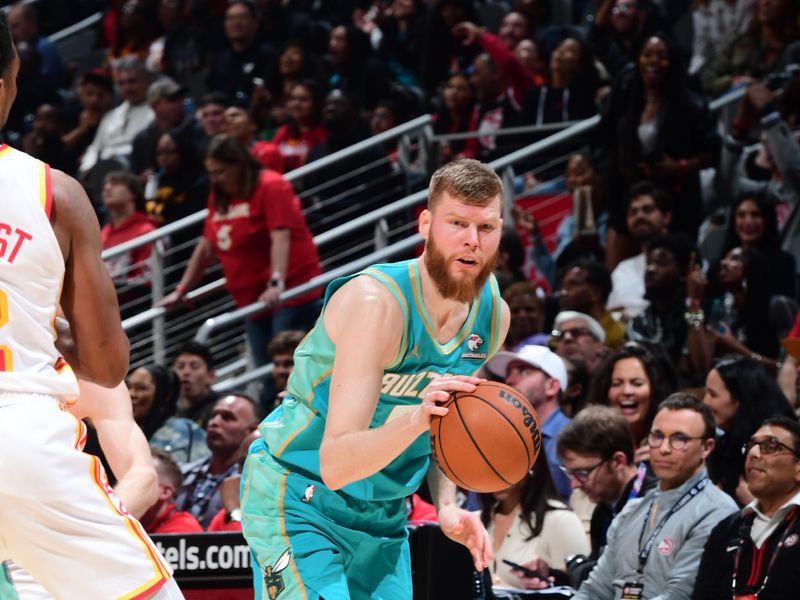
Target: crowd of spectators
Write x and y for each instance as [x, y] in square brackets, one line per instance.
[656, 331]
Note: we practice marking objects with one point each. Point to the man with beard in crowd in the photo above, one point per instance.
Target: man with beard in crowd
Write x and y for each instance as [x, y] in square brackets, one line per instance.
[648, 214]
[670, 278]
[323, 498]
[585, 288]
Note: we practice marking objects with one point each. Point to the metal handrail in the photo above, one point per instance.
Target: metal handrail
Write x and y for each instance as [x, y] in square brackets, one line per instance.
[158, 311]
[205, 330]
[240, 380]
[374, 140]
[199, 216]
[447, 137]
[76, 27]
[576, 129]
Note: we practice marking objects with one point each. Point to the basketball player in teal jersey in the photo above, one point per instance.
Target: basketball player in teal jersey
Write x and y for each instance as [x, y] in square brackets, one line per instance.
[323, 490]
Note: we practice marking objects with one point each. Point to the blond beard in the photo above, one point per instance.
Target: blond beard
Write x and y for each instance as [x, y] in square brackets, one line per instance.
[450, 288]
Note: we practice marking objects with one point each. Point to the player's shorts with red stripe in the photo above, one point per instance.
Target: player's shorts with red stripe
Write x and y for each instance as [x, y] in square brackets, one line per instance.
[59, 518]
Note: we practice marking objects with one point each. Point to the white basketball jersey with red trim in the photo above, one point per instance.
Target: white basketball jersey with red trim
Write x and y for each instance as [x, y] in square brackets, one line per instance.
[31, 274]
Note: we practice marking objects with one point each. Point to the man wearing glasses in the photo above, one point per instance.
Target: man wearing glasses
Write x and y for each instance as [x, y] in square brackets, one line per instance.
[596, 451]
[579, 338]
[655, 543]
[755, 553]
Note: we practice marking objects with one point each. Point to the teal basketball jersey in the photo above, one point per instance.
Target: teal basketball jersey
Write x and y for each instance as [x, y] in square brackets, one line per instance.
[293, 432]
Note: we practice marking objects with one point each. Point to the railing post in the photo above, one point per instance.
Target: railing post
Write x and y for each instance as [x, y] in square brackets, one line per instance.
[157, 291]
[508, 194]
[381, 237]
[404, 160]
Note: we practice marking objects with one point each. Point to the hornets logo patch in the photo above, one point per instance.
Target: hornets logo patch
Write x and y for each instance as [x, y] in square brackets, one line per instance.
[273, 574]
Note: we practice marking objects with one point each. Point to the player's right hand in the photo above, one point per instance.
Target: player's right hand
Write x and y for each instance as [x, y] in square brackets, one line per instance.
[438, 392]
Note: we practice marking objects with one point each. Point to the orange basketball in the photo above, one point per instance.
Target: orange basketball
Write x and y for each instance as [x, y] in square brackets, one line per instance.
[489, 440]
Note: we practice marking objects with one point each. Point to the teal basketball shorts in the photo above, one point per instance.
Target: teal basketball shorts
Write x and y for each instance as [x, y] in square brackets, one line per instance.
[309, 542]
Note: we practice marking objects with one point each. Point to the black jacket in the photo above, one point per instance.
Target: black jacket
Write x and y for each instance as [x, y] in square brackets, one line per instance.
[715, 576]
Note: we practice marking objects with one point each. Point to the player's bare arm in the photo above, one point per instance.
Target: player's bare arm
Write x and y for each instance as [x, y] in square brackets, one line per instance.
[456, 523]
[123, 443]
[99, 351]
[366, 325]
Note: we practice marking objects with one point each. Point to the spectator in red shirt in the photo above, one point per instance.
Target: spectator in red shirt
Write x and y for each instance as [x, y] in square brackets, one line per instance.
[256, 229]
[123, 199]
[162, 516]
[303, 130]
[239, 123]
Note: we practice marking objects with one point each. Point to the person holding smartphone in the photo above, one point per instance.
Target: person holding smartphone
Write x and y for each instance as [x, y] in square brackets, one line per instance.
[532, 530]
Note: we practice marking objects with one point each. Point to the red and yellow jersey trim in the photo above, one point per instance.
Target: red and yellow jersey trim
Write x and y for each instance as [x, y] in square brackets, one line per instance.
[5, 150]
[45, 188]
[161, 573]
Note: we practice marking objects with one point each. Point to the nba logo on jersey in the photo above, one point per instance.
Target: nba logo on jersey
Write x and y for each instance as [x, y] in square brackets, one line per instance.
[474, 341]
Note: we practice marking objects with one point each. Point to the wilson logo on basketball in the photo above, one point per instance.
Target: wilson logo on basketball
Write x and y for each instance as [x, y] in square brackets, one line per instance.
[528, 418]
[474, 341]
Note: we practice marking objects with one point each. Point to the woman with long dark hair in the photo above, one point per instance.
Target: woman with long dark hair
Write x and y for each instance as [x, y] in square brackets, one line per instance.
[454, 114]
[256, 230]
[182, 187]
[653, 127]
[529, 521]
[741, 393]
[354, 68]
[154, 399]
[303, 129]
[295, 63]
[634, 380]
[572, 81]
[754, 224]
[738, 308]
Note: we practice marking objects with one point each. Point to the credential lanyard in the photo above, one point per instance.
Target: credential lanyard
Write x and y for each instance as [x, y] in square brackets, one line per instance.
[789, 519]
[687, 497]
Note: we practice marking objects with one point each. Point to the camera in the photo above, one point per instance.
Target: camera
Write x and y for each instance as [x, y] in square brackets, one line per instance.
[778, 81]
[578, 568]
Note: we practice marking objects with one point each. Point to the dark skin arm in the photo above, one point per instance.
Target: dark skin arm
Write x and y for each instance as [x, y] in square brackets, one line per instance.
[98, 351]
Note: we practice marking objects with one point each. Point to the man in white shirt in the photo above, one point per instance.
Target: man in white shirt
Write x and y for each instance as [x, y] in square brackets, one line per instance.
[648, 214]
[114, 137]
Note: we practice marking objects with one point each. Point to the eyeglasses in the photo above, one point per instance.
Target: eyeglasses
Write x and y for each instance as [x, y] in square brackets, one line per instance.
[621, 9]
[575, 332]
[581, 475]
[767, 446]
[677, 441]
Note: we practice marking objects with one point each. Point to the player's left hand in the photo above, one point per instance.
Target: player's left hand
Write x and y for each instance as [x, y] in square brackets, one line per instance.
[465, 527]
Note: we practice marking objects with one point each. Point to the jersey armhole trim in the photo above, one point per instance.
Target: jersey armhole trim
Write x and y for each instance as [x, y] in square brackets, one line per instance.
[45, 188]
[395, 290]
[494, 343]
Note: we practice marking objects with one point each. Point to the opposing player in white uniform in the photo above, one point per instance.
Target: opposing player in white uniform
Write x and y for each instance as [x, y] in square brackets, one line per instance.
[59, 519]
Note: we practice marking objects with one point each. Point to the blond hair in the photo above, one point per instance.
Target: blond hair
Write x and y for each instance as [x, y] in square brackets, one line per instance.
[471, 181]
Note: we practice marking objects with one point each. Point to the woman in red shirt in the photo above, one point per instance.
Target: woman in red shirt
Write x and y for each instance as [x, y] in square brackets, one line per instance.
[303, 130]
[256, 229]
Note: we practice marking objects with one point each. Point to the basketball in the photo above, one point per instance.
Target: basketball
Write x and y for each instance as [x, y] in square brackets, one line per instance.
[488, 440]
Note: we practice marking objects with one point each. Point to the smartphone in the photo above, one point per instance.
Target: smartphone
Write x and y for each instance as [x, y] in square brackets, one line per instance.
[525, 570]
